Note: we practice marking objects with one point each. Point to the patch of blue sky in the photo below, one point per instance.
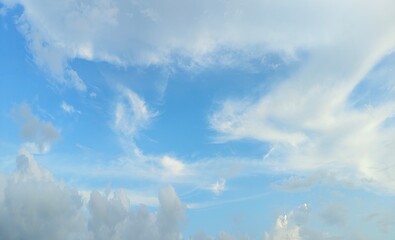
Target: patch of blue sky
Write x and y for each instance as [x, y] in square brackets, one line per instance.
[24, 82]
[182, 126]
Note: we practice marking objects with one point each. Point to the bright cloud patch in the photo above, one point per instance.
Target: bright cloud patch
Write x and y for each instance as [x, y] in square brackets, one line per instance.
[219, 186]
[173, 165]
[131, 113]
[317, 128]
[68, 108]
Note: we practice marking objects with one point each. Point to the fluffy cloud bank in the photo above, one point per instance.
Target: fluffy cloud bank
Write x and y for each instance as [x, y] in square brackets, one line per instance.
[35, 206]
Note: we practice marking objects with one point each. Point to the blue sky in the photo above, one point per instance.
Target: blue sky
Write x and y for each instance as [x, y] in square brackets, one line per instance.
[197, 120]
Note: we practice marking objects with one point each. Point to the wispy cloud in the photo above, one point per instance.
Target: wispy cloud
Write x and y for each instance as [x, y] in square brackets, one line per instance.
[68, 108]
[219, 186]
[131, 113]
[311, 119]
[208, 33]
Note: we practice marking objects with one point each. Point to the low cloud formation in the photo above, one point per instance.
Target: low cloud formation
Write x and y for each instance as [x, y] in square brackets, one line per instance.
[288, 226]
[37, 134]
[299, 224]
[284, 231]
[33, 205]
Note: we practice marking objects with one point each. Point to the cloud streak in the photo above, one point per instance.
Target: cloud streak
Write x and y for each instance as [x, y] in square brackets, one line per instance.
[312, 119]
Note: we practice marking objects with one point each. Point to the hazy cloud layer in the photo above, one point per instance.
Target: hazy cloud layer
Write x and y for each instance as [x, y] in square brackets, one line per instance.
[38, 135]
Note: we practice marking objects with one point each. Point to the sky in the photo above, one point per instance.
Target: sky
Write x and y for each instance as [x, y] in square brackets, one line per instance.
[197, 120]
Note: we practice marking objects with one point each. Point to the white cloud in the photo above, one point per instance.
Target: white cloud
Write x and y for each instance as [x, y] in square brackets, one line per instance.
[130, 116]
[35, 205]
[296, 226]
[49, 56]
[28, 168]
[283, 230]
[307, 118]
[218, 187]
[68, 108]
[37, 134]
[131, 113]
[204, 33]
[173, 165]
[54, 210]
[312, 119]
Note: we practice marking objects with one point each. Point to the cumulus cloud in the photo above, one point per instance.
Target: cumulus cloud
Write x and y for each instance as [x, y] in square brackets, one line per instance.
[35, 205]
[37, 134]
[296, 225]
[288, 226]
[283, 230]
